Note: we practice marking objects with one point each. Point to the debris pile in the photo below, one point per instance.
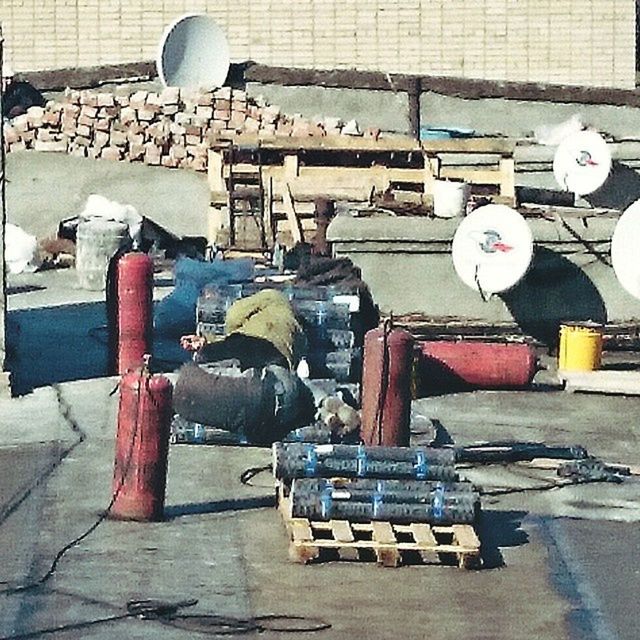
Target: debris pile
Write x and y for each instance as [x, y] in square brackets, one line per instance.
[173, 128]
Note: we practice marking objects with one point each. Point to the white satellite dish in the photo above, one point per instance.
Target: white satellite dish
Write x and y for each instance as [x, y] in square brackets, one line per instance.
[625, 247]
[193, 53]
[582, 162]
[492, 249]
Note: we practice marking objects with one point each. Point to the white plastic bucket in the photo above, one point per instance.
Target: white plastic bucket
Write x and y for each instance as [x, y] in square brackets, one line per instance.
[97, 241]
[450, 198]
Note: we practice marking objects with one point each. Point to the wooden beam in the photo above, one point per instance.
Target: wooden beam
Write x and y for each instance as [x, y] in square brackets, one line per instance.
[499, 146]
[341, 143]
[472, 176]
[294, 223]
[413, 95]
[215, 172]
[508, 182]
[458, 87]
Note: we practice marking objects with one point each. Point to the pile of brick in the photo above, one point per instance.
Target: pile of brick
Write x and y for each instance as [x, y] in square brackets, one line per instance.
[174, 128]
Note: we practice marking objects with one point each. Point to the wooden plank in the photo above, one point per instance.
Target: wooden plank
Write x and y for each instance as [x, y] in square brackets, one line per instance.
[431, 172]
[469, 554]
[269, 229]
[459, 87]
[473, 176]
[501, 146]
[306, 224]
[217, 226]
[386, 544]
[508, 182]
[423, 534]
[466, 537]
[606, 382]
[291, 167]
[342, 143]
[424, 537]
[301, 535]
[294, 223]
[342, 532]
[215, 175]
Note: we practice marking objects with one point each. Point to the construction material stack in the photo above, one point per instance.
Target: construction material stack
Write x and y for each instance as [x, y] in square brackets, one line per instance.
[331, 321]
[397, 502]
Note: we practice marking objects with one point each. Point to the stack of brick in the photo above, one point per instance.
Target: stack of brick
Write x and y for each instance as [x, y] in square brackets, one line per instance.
[174, 128]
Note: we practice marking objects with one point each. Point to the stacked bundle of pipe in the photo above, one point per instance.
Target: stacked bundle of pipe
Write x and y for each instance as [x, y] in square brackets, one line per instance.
[401, 501]
[308, 460]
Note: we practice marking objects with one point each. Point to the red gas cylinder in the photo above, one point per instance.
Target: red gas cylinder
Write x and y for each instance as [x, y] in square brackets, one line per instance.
[142, 446]
[130, 311]
[386, 387]
[467, 363]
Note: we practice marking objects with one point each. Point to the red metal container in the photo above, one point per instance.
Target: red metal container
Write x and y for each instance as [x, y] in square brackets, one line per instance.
[142, 446]
[130, 312]
[471, 364]
[386, 387]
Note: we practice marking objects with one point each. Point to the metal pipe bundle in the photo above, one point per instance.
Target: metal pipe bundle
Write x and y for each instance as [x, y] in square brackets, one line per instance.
[435, 503]
[307, 460]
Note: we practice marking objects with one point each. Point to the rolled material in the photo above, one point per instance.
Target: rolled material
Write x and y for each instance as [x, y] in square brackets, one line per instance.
[443, 504]
[306, 460]
[392, 491]
[262, 405]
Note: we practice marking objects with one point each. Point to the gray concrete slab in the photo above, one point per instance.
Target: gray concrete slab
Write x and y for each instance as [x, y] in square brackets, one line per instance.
[549, 555]
[41, 193]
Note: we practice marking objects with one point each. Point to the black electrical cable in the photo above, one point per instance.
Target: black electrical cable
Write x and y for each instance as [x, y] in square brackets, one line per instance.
[248, 474]
[550, 486]
[167, 613]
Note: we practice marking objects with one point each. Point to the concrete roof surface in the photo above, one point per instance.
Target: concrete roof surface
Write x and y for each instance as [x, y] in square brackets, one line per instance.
[559, 564]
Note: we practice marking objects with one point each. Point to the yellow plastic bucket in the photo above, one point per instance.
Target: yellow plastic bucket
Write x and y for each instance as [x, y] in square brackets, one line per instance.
[580, 347]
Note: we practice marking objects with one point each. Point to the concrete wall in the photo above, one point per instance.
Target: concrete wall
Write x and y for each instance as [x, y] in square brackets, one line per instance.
[407, 264]
[555, 41]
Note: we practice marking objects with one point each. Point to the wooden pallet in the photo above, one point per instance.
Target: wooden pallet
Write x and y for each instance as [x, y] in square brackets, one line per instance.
[388, 544]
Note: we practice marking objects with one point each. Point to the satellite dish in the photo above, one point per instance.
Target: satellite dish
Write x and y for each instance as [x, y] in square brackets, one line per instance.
[492, 249]
[625, 246]
[193, 53]
[582, 162]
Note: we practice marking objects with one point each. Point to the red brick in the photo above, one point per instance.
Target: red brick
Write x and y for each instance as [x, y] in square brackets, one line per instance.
[111, 153]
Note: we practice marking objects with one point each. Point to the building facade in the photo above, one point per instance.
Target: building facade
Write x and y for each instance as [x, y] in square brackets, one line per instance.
[574, 42]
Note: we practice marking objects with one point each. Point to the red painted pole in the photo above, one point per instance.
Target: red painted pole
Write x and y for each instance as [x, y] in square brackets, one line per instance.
[130, 312]
[142, 446]
[386, 387]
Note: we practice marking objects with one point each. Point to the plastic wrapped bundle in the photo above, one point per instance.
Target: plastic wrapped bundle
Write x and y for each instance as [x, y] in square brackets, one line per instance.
[436, 503]
[306, 460]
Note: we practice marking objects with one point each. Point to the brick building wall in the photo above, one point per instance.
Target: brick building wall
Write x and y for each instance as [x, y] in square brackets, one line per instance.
[580, 42]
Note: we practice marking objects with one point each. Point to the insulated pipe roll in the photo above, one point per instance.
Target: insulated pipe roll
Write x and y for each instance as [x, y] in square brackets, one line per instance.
[441, 508]
[432, 455]
[295, 460]
[306, 490]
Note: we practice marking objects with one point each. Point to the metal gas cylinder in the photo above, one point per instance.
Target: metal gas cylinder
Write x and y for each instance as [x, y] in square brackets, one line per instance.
[386, 386]
[142, 446]
[446, 365]
[130, 311]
